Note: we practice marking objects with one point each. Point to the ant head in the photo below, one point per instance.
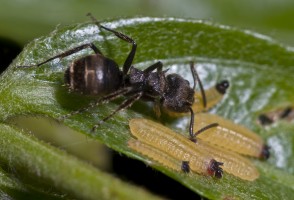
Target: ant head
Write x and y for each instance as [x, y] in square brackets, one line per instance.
[179, 96]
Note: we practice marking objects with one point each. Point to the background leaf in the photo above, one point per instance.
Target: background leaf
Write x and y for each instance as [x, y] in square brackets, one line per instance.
[22, 21]
[258, 68]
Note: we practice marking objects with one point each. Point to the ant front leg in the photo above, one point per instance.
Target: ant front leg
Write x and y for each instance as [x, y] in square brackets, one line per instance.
[130, 58]
[191, 127]
[158, 65]
[69, 52]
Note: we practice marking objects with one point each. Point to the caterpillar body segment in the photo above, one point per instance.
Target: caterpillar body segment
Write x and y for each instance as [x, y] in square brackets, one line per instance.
[201, 155]
[231, 136]
[233, 163]
[153, 134]
[213, 96]
[157, 155]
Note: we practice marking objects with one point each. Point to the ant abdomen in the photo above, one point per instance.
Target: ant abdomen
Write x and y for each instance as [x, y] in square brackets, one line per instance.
[93, 75]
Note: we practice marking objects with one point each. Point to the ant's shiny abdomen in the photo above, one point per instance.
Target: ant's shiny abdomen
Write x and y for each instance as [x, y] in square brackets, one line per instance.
[93, 75]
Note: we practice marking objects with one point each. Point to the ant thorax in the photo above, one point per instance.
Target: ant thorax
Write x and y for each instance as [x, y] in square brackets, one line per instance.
[156, 82]
[173, 91]
[153, 84]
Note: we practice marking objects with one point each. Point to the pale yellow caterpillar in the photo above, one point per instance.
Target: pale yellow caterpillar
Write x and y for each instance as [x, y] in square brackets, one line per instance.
[230, 136]
[200, 155]
[200, 163]
[158, 156]
[213, 96]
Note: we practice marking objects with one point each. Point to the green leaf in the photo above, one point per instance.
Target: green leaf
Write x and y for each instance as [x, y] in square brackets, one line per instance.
[56, 168]
[259, 69]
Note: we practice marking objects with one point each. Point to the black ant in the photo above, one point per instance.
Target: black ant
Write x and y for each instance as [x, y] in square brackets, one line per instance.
[98, 75]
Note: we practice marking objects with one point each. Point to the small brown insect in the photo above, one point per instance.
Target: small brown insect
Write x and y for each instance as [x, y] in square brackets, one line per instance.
[286, 113]
[201, 156]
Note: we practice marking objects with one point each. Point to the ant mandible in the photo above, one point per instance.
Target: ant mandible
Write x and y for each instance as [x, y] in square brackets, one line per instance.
[98, 75]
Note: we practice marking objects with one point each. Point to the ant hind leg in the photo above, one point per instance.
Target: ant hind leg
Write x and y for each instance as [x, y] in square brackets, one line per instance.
[127, 103]
[128, 62]
[100, 101]
[67, 53]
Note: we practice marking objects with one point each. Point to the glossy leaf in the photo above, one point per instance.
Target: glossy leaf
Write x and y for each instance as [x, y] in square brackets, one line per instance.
[259, 69]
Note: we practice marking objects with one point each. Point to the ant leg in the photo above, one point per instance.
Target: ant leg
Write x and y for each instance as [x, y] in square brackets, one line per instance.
[191, 127]
[127, 103]
[69, 52]
[205, 128]
[196, 78]
[130, 58]
[158, 65]
[102, 100]
[156, 107]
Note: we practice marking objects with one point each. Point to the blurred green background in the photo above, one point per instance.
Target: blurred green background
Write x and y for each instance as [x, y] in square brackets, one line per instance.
[24, 20]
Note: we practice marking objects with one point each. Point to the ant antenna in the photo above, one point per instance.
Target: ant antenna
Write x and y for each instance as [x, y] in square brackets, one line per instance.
[196, 78]
[191, 128]
[101, 32]
[94, 19]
